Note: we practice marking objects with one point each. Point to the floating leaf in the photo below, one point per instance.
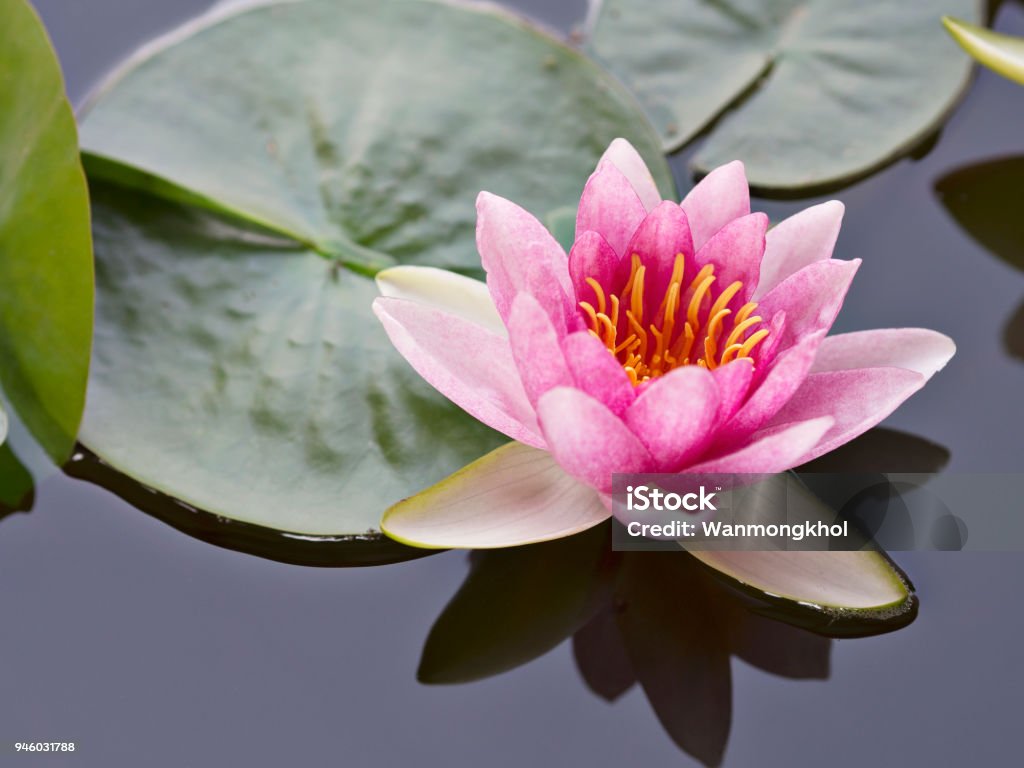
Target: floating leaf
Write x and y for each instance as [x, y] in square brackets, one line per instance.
[46, 282]
[287, 152]
[838, 593]
[813, 92]
[1002, 53]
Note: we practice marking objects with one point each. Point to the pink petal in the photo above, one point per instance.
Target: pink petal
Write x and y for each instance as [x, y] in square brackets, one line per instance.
[811, 298]
[766, 351]
[916, 349]
[466, 363]
[520, 256]
[733, 381]
[802, 239]
[674, 415]
[589, 441]
[782, 380]
[720, 197]
[536, 348]
[596, 371]
[512, 496]
[662, 235]
[856, 400]
[610, 207]
[736, 251]
[770, 451]
[591, 256]
[624, 156]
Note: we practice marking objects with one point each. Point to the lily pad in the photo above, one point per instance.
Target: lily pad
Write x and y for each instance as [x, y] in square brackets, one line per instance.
[263, 165]
[810, 92]
[844, 593]
[46, 281]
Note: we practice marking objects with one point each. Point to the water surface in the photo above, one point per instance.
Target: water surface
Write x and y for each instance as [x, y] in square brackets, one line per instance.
[148, 647]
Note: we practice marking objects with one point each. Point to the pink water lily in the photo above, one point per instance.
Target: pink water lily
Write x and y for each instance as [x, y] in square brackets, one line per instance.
[674, 337]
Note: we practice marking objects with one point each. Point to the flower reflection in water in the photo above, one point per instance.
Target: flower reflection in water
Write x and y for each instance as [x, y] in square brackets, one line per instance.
[659, 620]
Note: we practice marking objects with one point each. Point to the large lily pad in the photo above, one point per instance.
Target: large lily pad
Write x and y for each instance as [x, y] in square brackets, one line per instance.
[267, 163]
[813, 92]
[45, 252]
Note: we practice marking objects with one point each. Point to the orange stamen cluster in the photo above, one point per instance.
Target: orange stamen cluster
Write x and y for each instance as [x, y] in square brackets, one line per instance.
[692, 326]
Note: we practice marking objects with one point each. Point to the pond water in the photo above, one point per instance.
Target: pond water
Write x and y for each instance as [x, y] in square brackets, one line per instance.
[149, 647]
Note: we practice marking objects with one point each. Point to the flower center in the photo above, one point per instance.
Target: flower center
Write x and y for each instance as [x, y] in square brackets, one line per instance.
[691, 326]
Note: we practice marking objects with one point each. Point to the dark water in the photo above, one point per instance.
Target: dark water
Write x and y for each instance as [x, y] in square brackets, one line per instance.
[149, 648]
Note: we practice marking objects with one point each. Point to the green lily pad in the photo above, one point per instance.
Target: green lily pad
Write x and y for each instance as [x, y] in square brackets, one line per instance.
[246, 376]
[810, 92]
[841, 593]
[263, 165]
[46, 281]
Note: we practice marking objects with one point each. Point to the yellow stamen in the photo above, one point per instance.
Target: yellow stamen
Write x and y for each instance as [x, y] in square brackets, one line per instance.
[752, 342]
[692, 325]
[592, 315]
[636, 297]
[698, 296]
[739, 328]
[599, 292]
[730, 352]
[609, 331]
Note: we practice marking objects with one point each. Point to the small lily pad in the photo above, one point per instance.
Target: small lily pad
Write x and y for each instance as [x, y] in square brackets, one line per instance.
[806, 93]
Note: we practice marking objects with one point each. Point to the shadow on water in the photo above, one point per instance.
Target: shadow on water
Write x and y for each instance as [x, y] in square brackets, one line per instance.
[984, 199]
[852, 479]
[1013, 334]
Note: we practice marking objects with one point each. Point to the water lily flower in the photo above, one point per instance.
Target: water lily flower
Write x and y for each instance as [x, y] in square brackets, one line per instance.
[673, 337]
